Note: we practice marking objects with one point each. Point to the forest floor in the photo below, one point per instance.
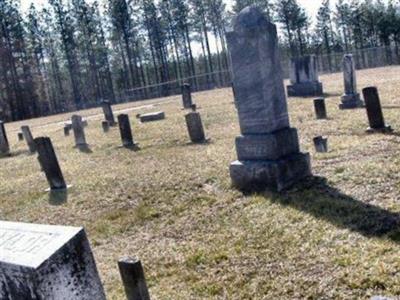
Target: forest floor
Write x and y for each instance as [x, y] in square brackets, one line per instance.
[335, 236]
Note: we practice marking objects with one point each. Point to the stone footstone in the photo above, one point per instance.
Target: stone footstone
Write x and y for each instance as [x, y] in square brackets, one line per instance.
[79, 132]
[49, 163]
[351, 98]
[321, 144]
[268, 148]
[151, 117]
[26, 131]
[125, 131]
[195, 127]
[320, 108]
[4, 145]
[133, 279]
[186, 96]
[20, 136]
[108, 112]
[304, 77]
[40, 262]
[67, 130]
[106, 126]
[374, 111]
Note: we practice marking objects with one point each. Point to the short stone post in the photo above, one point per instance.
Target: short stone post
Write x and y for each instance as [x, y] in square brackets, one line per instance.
[351, 98]
[26, 131]
[186, 96]
[79, 132]
[268, 148]
[20, 136]
[108, 112]
[374, 110]
[4, 145]
[320, 108]
[321, 144]
[125, 131]
[133, 279]
[195, 126]
[49, 163]
[67, 129]
[106, 126]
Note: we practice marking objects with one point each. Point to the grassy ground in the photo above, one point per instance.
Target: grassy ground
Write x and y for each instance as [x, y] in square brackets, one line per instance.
[332, 237]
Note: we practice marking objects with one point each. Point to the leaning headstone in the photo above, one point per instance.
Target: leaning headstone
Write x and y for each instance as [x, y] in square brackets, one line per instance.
[268, 149]
[321, 144]
[304, 77]
[26, 131]
[125, 131]
[374, 110]
[49, 163]
[40, 262]
[4, 145]
[106, 126]
[186, 96]
[108, 113]
[351, 98]
[133, 279]
[151, 117]
[20, 136]
[320, 108]
[195, 126]
[79, 132]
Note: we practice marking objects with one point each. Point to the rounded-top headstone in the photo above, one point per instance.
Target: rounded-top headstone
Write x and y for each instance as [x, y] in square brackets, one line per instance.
[251, 20]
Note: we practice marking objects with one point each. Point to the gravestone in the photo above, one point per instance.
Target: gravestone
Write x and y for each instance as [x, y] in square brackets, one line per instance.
[108, 113]
[195, 126]
[41, 262]
[26, 131]
[320, 108]
[374, 111]
[49, 163]
[268, 149]
[151, 117]
[79, 132]
[106, 126]
[133, 279]
[321, 144]
[186, 96]
[4, 145]
[67, 129]
[304, 77]
[125, 131]
[20, 136]
[351, 98]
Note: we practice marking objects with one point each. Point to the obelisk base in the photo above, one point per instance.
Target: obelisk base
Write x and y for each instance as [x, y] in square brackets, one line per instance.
[305, 89]
[351, 101]
[276, 175]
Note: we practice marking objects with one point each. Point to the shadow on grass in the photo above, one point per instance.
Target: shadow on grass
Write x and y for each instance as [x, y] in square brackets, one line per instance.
[58, 197]
[320, 200]
[84, 149]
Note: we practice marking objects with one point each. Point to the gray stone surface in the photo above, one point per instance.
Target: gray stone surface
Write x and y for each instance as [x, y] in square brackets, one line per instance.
[304, 77]
[374, 110]
[151, 117]
[42, 262]
[125, 131]
[49, 163]
[321, 144]
[186, 95]
[133, 279]
[79, 132]
[195, 127]
[108, 112]
[320, 108]
[26, 131]
[351, 98]
[4, 145]
[268, 149]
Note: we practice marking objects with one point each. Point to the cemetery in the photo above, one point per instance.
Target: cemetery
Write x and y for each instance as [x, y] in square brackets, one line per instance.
[274, 187]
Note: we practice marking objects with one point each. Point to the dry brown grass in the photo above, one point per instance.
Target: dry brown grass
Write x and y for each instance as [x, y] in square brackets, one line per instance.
[171, 203]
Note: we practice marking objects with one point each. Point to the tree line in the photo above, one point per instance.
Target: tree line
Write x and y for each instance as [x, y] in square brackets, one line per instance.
[72, 54]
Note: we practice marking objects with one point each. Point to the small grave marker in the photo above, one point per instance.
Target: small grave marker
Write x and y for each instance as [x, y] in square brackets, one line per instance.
[374, 111]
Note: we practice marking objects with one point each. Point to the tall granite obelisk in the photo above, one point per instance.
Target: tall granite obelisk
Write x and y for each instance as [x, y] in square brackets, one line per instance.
[268, 149]
[351, 98]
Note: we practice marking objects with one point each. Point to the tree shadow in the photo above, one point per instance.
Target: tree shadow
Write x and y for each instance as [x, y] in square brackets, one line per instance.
[317, 198]
[84, 149]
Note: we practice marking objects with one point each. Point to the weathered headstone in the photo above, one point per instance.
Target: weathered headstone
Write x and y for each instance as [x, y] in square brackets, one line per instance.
[108, 113]
[4, 145]
[268, 149]
[26, 131]
[133, 278]
[351, 98]
[195, 126]
[304, 77]
[321, 144]
[374, 110]
[49, 163]
[320, 108]
[41, 262]
[106, 126]
[20, 136]
[125, 131]
[150, 117]
[67, 130]
[186, 96]
[79, 132]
